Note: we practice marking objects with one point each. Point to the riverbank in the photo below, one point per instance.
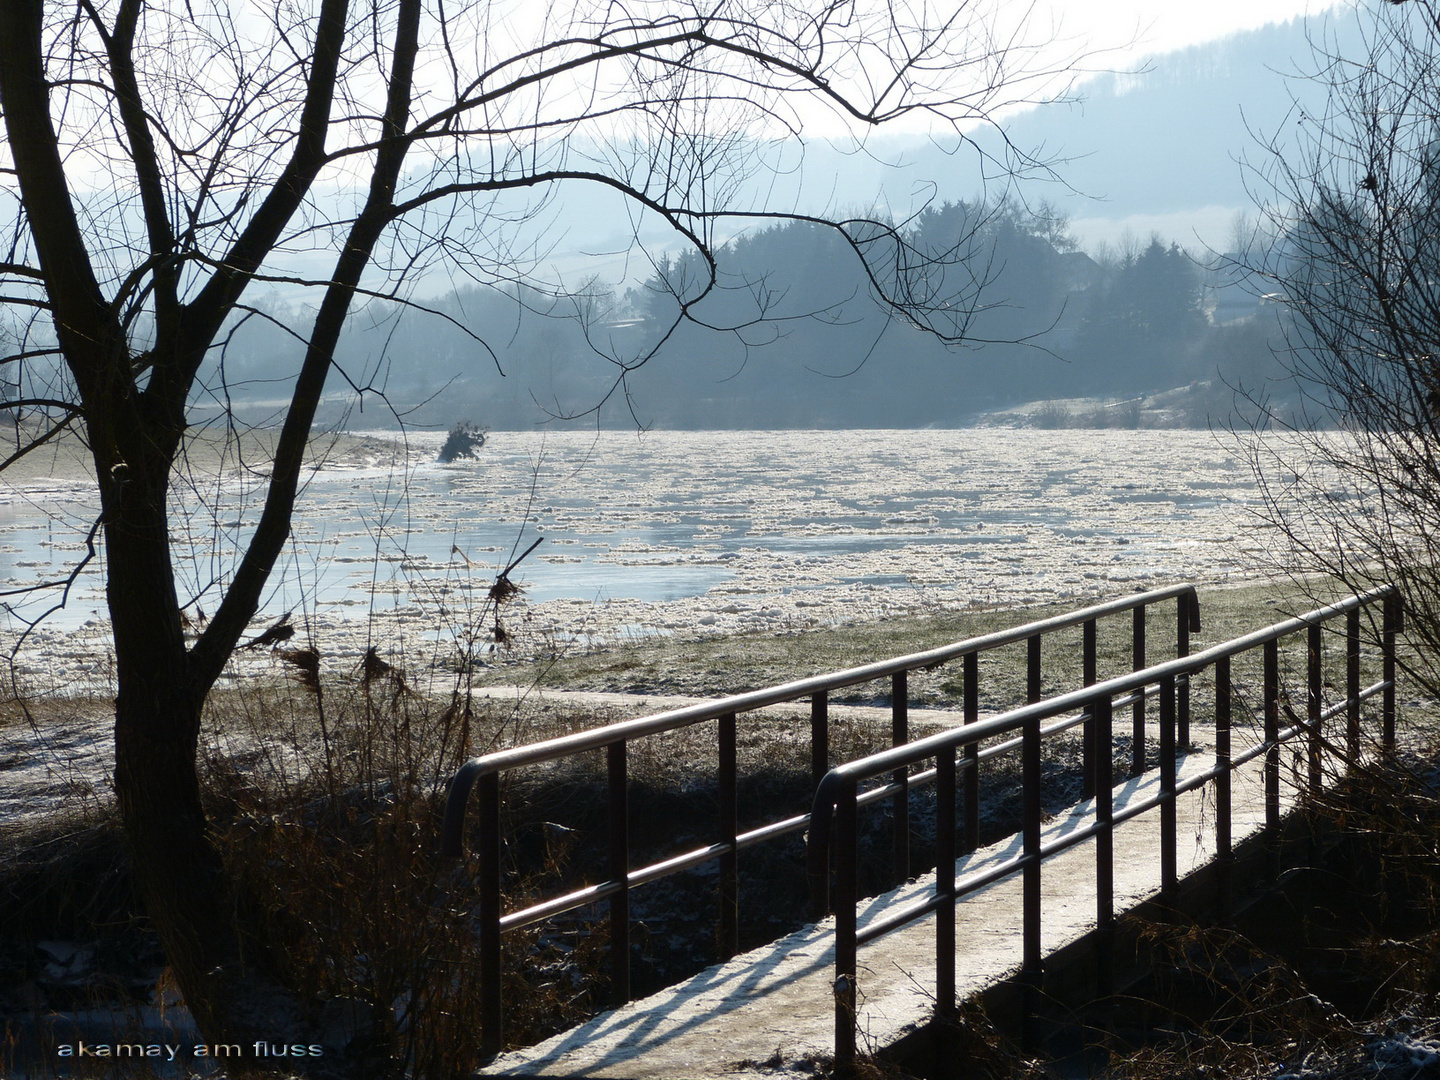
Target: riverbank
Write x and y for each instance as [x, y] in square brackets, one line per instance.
[56, 745]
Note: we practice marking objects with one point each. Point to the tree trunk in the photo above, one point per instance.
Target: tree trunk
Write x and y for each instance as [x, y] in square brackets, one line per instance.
[178, 869]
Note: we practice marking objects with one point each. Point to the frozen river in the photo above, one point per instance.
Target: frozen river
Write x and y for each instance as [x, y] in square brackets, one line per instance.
[684, 532]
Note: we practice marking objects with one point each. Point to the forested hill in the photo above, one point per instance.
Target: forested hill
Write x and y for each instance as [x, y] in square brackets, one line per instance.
[793, 337]
[1053, 322]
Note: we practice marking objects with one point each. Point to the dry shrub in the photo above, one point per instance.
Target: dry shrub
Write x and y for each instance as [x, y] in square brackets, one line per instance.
[66, 881]
[65, 877]
[327, 803]
[325, 799]
[1243, 1004]
[327, 810]
[1239, 1010]
[1393, 802]
[973, 1048]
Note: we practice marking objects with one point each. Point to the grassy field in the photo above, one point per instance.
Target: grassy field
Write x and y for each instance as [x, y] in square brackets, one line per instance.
[729, 665]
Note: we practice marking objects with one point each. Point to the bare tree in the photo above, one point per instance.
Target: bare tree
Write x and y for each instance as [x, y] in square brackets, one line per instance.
[1348, 461]
[166, 158]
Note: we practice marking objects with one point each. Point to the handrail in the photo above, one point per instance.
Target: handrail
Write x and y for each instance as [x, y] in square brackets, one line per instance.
[596, 738]
[921, 749]
[837, 797]
[481, 776]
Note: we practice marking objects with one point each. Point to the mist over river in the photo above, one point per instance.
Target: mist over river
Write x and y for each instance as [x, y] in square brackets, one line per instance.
[678, 532]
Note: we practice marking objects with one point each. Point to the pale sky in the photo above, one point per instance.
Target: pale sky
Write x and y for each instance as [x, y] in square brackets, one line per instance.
[1111, 35]
[1159, 27]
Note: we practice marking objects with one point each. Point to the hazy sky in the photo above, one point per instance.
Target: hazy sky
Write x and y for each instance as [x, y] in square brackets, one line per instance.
[1135, 29]
[1109, 35]
[1158, 27]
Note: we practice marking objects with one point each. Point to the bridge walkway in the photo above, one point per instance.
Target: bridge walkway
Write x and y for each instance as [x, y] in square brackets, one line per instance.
[768, 1010]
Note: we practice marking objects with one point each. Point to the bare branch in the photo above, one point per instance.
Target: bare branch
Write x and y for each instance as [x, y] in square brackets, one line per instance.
[207, 311]
[1350, 474]
[40, 440]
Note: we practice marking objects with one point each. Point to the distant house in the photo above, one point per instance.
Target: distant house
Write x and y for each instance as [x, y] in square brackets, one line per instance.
[1079, 271]
[1231, 293]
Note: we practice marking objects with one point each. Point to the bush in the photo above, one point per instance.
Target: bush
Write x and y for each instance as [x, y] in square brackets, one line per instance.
[464, 441]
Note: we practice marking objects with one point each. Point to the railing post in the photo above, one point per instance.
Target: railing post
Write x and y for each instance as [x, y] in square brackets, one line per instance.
[1088, 677]
[1393, 624]
[1183, 606]
[1032, 963]
[1032, 669]
[1352, 684]
[1222, 788]
[945, 884]
[1168, 825]
[1101, 710]
[900, 803]
[728, 934]
[1272, 759]
[619, 872]
[819, 737]
[1314, 704]
[1137, 724]
[971, 839]
[492, 1005]
[818, 862]
[846, 898]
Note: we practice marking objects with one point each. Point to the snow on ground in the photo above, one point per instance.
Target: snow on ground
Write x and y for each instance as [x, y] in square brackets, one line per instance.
[682, 533]
[58, 764]
[670, 533]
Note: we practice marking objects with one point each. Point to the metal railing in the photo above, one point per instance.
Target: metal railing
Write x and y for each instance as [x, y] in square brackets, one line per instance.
[482, 775]
[834, 814]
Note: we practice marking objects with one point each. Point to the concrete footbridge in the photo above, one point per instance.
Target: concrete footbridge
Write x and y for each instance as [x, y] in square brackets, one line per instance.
[1229, 754]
